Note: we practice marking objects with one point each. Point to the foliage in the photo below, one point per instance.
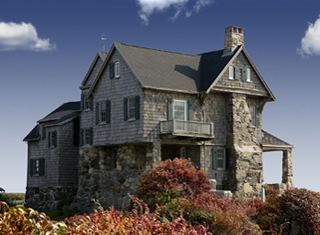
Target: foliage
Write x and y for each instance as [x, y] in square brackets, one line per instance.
[15, 221]
[13, 199]
[172, 179]
[137, 221]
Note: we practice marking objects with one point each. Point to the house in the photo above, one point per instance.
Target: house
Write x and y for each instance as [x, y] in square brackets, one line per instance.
[53, 157]
[140, 106]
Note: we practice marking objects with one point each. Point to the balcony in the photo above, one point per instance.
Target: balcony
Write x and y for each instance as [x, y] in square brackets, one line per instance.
[191, 129]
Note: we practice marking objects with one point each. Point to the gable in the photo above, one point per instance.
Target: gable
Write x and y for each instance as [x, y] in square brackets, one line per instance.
[94, 69]
[256, 86]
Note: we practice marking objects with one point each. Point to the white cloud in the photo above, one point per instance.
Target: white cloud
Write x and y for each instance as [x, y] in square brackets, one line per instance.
[310, 43]
[22, 37]
[148, 7]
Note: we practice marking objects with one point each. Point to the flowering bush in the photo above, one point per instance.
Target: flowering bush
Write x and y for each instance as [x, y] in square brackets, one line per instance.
[15, 221]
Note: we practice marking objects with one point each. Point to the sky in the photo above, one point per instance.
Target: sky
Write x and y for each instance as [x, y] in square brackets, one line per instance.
[47, 47]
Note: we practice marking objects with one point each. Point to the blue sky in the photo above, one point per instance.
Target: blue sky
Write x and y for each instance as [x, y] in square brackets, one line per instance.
[46, 48]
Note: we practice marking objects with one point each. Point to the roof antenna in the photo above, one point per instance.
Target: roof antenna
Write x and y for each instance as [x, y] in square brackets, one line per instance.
[103, 38]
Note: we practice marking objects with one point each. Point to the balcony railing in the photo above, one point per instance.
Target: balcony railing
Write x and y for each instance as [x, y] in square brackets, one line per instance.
[187, 128]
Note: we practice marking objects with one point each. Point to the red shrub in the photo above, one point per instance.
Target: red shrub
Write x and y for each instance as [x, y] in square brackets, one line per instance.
[172, 179]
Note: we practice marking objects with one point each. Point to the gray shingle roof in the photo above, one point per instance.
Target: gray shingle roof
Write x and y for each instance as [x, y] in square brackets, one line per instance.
[58, 116]
[174, 71]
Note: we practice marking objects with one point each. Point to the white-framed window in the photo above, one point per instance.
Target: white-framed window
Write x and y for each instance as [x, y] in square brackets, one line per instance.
[86, 102]
[117, 69]
[36, 168]
[183, 153]
[87, 137]
[131, 107]
[103, 112]
[248, 75]
[231, 72]
[180, 110]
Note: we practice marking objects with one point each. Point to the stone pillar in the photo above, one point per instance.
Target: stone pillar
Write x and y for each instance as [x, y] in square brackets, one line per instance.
[245, 172]
[287, 173]
[153, 155]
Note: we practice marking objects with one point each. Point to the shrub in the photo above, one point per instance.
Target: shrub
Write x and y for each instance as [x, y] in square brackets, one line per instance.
[27, 221]
[172, 179]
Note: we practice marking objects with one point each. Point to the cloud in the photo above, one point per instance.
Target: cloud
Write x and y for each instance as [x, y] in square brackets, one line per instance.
[22, 37]
[148, 7]
[310, 43]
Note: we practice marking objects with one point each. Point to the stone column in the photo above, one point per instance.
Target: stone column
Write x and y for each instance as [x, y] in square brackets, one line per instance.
[287, 173]
[153, 155]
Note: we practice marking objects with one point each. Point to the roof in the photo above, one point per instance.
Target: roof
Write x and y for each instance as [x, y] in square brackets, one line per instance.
[168, 70]
[271, 142]
[99, 55]
[63, 110]
[59, 116]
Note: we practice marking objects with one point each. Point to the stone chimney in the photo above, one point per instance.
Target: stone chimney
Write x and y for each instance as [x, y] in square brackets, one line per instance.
[233, 37]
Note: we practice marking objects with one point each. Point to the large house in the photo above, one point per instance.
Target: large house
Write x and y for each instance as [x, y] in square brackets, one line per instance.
[140, 106]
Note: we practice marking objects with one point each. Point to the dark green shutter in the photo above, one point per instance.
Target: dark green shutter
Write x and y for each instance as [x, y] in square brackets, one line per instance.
[42, 167]
[31, 167]
[91, 103]
[54, 134]
[125, 109]
[190, 110]
[214, 158]
[257, 116]
[81, 137]
[43, 132]
[49, 139]
[227, 158]
[97, 113]
[111, 70]
[244, 74]
[137, 107]
[82, 102]
[170, 110]
[236, 72]
[91, 135]
[108, 111]
[76, 130]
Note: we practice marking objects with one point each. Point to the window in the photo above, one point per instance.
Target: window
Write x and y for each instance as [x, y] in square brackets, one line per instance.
[231, 72]
[131, 108]
[255, 115]
[117, 69]
[180, 110]
[37, 167]
[52, 139]
[86, 102]
[103, 112]
[220, 158]
[114, 159]
[43, 132]
[114, 70]
[183, 152]
[86, 136]
[246, 74]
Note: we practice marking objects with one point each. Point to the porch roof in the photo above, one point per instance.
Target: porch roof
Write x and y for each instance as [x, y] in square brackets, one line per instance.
[272, 143]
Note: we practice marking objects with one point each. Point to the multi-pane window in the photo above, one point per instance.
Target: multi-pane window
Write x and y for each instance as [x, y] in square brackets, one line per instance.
[183, 152]
[37, 167]
[86, 102]
[221, 165]
[52, 139]
[117, 69]
[220, 159]
[255, 115]
[231, 72]
[86, 136]
[131, 107]
[180, 110]
[103, 112]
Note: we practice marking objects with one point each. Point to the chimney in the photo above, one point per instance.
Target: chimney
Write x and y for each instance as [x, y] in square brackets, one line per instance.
[233, 37]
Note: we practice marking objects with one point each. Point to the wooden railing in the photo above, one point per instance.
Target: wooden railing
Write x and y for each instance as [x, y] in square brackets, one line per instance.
[186, 128]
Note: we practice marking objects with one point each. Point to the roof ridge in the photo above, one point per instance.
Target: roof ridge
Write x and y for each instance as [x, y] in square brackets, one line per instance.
[154, 49]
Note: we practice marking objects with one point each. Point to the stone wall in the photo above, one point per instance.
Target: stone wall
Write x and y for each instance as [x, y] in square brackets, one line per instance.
[110, 187]
[245, 152]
